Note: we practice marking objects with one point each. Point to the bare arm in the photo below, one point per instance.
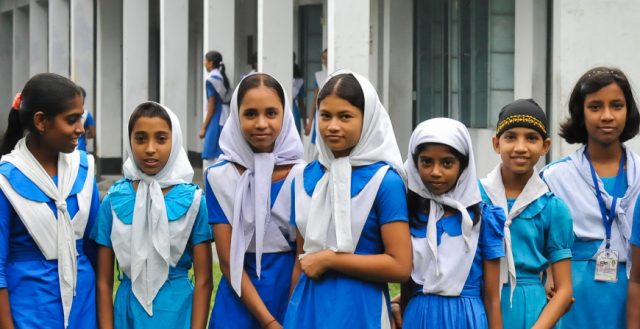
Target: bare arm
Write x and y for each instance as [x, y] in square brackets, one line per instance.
[104, 283]
[6, 321]
[90, 132]
[295, 274]
[211, 110]
[204, 285]
[491, 293]
[561, 300]
[633, 295]
[249, 294]
[394, 265]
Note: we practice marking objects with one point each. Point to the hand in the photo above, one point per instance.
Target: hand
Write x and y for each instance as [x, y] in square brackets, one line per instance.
[396, 316]
[316, 264]
[307, 126]
[549, 288]
[203, 131]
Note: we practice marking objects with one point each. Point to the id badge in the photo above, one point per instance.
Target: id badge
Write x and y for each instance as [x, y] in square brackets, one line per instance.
[606, 265]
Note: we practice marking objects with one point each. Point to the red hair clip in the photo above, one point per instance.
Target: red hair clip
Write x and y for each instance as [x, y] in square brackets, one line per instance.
[17, 101]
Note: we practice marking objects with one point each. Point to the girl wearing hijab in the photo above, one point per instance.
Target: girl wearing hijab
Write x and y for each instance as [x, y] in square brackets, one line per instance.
[456, 239]
[600, 183]
[249, 199]
[48, 203]
[154, 221]
[538, 232]
[350, 212]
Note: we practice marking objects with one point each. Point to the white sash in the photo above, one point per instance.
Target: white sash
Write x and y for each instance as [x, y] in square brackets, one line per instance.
[571, 181]
[494, 187]
[321, 77]
[454, 262]
[327, 234]
[278, 233]
[179, 233]
[43, 227]
[297, 84]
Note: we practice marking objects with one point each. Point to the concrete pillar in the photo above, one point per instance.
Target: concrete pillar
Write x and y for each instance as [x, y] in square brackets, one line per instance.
[38, 37]
[348, 35]
[397, 92]
[20, 47]
[530, 62]
[174, 47]
[195, 86]
[109, 123]
[59, 18]
[275, 40]
[6, 53]
[135, 55]
[82, 48]
[220, 33]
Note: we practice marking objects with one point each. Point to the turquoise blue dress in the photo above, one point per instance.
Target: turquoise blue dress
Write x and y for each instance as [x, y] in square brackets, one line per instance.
[611, 306]
[341, 301]
[211, 146]
[273, 285]
[172, 305]
[467, 310]
[31, 280]
[541, 235]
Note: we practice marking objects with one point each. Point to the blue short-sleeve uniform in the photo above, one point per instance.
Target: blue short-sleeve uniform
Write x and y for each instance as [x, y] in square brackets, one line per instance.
[337, 300]
[541, 234]
[610, 296]
[211, 146]
[31, 280]
[82, 140]
[466, 310]
[275, 276]
[173, 303]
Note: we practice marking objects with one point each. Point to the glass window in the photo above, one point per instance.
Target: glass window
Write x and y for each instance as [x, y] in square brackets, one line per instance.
[464, 59]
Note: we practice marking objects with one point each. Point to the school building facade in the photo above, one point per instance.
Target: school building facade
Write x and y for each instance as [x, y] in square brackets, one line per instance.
[463, 59]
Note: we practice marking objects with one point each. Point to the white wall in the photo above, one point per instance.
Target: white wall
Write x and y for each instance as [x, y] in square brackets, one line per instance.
[603, 32]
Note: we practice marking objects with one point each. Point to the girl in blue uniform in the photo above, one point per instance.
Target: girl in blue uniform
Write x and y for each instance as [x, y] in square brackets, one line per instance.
[600, 183]
[154, 221]
[539, 230]
[350, 212]
[299, 108]
[48, 203]
[456, 239]
[633, 297]
[249, 199]
[217, 109]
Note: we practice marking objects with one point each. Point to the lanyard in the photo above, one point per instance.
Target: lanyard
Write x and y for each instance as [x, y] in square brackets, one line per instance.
[607, 219]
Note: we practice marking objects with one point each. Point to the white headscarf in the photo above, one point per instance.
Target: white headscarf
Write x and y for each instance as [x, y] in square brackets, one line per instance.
[252, 205]
[68, 166]
[466, 192]
[331, 199]
[150, 236]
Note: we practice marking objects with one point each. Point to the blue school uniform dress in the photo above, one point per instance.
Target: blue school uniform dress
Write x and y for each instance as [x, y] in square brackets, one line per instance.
[274, 283]
[172, 305]
[541, 234]
[211, 147]
[466, 310]
[31, 279]
[88, 122]
[341, 301]
[598, 304]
